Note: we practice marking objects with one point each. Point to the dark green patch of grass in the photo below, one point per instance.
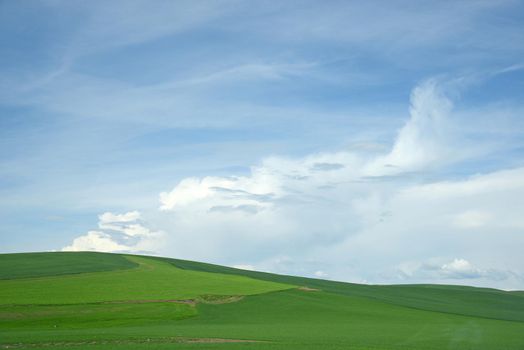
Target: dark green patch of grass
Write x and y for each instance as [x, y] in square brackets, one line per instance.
[25, 265]
[328, 320]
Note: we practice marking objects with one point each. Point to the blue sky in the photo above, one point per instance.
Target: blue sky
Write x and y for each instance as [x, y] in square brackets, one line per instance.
[378, 141]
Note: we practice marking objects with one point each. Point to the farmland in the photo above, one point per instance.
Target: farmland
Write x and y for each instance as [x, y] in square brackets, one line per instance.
[111, 301]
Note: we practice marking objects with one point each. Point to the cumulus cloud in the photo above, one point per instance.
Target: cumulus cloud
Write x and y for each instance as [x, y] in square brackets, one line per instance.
[460, 268]
[118, 233]
[95, 241]
[217, 191]
[321, 197]
[424, 140]
[420, 143]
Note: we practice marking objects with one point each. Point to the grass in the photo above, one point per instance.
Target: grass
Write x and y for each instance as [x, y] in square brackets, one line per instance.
[323, 320]
[481, 302]
[287, 319]
[278, 316]
[80, 316]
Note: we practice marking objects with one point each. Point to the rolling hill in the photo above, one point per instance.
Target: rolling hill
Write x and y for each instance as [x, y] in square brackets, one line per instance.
[114, 301]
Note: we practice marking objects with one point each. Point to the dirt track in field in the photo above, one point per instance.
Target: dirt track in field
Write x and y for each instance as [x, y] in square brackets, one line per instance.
[172, 340]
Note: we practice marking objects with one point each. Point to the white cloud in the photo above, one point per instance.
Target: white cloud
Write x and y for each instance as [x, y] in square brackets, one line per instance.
[121, 233]
[460, 268]
[108, 218]
[423, 141]
[418, 145]
[95, 241]
[354, 180]
[216, 191]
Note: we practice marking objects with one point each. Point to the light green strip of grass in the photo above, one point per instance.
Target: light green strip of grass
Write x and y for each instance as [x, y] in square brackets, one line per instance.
[84, 316]
[152, 280]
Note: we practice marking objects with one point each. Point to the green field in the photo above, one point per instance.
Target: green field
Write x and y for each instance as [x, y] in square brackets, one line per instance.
[110, 301]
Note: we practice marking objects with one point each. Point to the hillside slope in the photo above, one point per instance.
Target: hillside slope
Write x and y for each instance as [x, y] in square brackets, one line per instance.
[148, 280]
[463, 300]
[161, 303]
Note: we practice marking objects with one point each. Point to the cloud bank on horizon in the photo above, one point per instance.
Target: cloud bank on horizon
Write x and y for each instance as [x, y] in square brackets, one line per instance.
[378, 142]
[347, 209]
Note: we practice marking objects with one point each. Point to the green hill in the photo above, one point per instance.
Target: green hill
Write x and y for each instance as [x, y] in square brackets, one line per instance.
[112, 301]
[150, 280]
[483, 302]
